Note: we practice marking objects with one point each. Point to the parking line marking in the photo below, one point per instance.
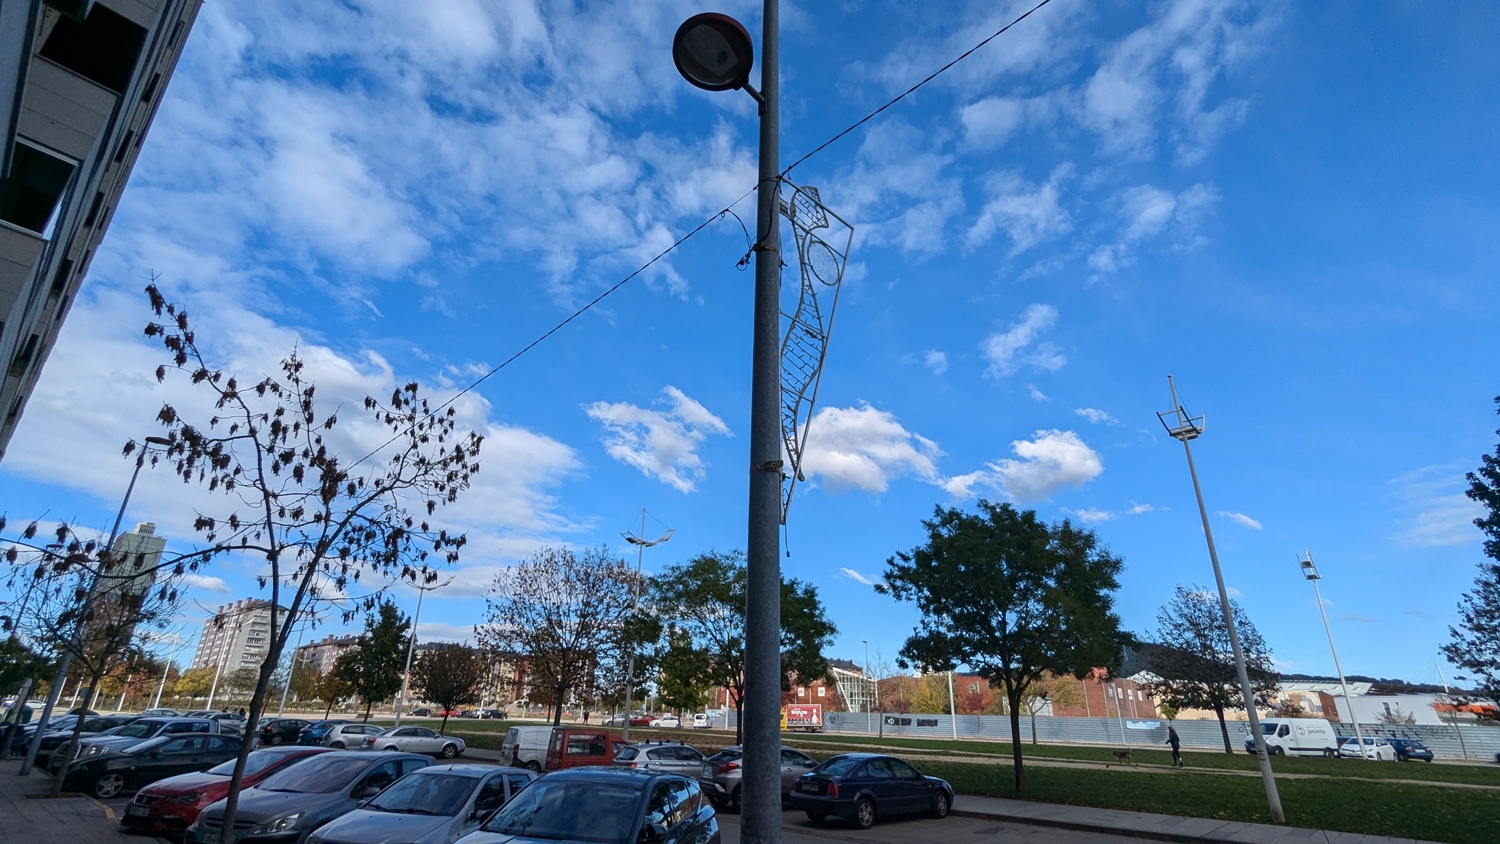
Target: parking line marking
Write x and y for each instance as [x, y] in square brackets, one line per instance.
[108, 812]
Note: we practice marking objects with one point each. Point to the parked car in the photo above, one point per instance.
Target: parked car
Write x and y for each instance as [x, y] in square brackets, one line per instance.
[421, 712]
[497, 714]
[1410, 749]
[720, 774]
[1376, 748]
[1297, 737]
[284, 807]
[640, 720]
[23, 736]
[616, 720]
[670, 722]
[701, 721]
[469, 713]
[436, 805]
[416, 740]
[53, 742]
[160, 712]
[623, 807]
[351, 736]
[526, 747]
[315, 731]
[106, 775]
[229, 722]
[574, 747]
[200, 713]
[862, 787]
[280, 731]
[168, 806]
[661, 756]
[125, 737]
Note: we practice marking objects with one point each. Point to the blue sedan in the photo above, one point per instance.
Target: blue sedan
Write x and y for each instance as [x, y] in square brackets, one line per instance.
[861, 787]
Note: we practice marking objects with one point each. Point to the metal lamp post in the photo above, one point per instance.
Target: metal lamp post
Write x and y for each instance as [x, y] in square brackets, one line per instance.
[67, 658]
[1310, 572]
[411, 645]
[641, 544]
[864, 671]
[1185, 428]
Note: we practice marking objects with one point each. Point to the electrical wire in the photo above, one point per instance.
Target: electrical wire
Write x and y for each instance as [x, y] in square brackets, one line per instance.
[728, 210]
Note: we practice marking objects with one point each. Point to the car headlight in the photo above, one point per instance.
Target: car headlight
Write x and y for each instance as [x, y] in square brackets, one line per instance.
[278, 825]
[95, 750]
[186, 798]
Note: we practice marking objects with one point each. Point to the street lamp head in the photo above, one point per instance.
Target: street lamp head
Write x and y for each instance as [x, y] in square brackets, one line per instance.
[162, 441]
[1309, 570]
[713, 52]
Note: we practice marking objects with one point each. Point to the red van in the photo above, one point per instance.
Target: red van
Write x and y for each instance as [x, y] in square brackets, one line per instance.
[574, 747]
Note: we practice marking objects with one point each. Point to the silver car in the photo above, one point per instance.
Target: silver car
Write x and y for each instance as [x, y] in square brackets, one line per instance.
[416, 740]
[351, 736]
[436, 805]
[667, 758]
[721, 774]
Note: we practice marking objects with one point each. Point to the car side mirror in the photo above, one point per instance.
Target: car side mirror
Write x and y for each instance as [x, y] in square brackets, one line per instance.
[369, 791]
[653, 832]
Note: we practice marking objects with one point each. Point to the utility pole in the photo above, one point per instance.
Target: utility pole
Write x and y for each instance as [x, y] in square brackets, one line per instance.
[411, 646]
[1310, 572]
[641, 544]
[952, 710]
[1185, 428]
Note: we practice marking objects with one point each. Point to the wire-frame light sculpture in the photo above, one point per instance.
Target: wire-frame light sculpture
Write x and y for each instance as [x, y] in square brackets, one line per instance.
[823, 242]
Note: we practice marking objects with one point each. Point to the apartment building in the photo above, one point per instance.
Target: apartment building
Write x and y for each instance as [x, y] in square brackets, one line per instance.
[80, 81]
[238, 636]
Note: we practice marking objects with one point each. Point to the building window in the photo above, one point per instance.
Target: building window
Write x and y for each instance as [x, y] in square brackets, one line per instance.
[124, 146]
[60, 281]
[23, 358]
[30, 195]
[821, 690]
[94, 210]
[150, 90]
[102, 48]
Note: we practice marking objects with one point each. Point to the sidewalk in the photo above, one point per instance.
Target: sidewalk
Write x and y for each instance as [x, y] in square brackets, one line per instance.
[1147, 825]
[27, 816]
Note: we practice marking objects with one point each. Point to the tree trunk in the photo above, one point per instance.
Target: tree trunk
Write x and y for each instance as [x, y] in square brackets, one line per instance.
[327, 709]
[739, 720]
[443, 728]
[557, 708]
[1033, 727]
[72, 747]
[1224, 728]
[1015, 739]
[257, 706]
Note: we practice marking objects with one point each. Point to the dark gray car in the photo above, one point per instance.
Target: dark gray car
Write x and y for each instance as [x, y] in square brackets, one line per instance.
[285, 807]
[436, 805]
[129, 735]
[720, 774]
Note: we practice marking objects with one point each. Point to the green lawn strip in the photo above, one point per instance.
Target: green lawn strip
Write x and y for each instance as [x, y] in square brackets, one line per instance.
[1343, 768]
[1409, 811]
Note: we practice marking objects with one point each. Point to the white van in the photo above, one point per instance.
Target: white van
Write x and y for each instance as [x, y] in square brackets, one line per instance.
[526, 747]
[701, 721]
[1297, 737]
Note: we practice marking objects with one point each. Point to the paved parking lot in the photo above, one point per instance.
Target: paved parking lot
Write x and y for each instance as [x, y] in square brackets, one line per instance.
[797, 829]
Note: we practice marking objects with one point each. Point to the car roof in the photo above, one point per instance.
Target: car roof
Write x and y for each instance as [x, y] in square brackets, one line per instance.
[602, 773]
[470, 769]
[374, 757]
[290, 750]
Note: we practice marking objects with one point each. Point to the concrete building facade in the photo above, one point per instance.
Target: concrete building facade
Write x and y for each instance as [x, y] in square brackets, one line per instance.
[238, 636]
[318, 657]
[80, 81]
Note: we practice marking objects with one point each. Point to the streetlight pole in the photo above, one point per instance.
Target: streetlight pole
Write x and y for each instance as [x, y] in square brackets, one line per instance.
[411, 646]
[952, 710]
[1310, 572]
[1185, 428]
[864, 671]
[641, 544]
[177, 641]
[67, 658]
[292, 671]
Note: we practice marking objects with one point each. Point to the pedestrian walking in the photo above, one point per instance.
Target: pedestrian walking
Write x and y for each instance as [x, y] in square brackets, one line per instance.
[585, 717]
[1176, 742]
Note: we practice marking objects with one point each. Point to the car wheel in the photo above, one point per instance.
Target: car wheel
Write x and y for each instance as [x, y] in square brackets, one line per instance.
[337, 745]
[108, 786]
[864, 813]
[534, 766]
[816, 817]
[276, 738]
[1278, 751]
[940, 806]
[450, 751]
[390, 747]
[734, 800]
[1329, 754]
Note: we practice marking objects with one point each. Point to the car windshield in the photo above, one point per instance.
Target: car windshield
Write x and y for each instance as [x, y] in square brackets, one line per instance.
[254, 763]
[148, 746]
[838, 766]
[425, 794]
[319, 776]
[1268, 728]
[628, 753]
[550, 811]
[140, 729]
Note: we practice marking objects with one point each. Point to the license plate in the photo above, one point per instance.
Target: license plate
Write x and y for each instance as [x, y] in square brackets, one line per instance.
[210, 838]
[137, 811]
[808, 787]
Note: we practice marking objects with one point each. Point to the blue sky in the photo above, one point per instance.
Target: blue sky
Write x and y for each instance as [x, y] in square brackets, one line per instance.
[1284, 206]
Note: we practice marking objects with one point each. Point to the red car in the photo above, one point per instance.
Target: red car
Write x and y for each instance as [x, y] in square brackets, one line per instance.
[640, 720]
[170, 805]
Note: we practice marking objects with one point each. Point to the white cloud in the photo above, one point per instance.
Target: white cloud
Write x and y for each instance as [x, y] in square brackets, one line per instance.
[936, 361]
[1438, 513]
[1036, 395]
[1145, 212]
[1356, 617]
[1090, 515]
[990, 122]
[1138, 509]
[865, 448]
[660, 443]
[1098, 417]
[1018, 346]
[1028, 214]
[901, 190]
[1240, 519]
[857, 577]
[1053, 461]
[207, 583]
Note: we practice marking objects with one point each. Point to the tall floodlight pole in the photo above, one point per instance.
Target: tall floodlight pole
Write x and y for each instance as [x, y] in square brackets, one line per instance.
[292, 671]
[1310, 572]
[1186, 428]
[714, 52]
[66, 662]
[641, 544]
[411, 646]
[952, 709]
[864, 671]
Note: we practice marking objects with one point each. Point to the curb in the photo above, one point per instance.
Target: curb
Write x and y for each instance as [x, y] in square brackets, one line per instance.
[1078, 826]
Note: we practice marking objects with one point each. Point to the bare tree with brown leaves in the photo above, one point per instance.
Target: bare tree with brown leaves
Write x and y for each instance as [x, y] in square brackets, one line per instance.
[318, 521]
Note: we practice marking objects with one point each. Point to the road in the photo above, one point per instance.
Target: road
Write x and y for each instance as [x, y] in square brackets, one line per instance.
[797, 829]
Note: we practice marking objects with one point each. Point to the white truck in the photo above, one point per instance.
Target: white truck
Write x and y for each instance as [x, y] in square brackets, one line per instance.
[1297, 737]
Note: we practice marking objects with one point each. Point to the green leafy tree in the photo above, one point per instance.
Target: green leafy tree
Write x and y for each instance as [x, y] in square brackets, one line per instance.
[682, 669]
[1195, 661]
[331, 688]
[1474, 645]
[448, 675]
[19, 663]
[1011, 597]
[704, 599]
[372, 668]
[194, 682]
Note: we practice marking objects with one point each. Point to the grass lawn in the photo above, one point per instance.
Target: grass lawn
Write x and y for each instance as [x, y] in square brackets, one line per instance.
[1410, 811]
